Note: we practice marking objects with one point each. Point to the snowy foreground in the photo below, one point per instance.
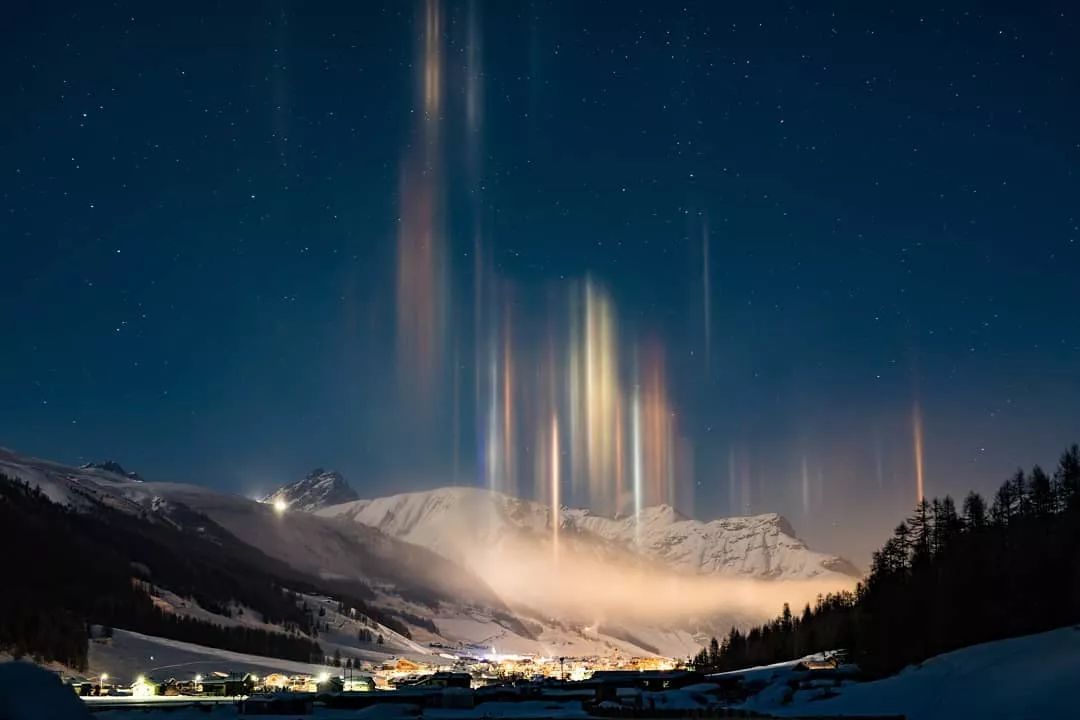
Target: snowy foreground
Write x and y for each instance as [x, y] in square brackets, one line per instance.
[1029, 677]
[1036, 676]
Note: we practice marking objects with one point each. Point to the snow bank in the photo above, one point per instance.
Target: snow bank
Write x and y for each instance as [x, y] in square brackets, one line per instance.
[28, 692]
[1027, 677]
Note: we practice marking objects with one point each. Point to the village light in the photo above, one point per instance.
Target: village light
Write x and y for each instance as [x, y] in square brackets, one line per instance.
[101, 682]
[142, 688]
[280, 506]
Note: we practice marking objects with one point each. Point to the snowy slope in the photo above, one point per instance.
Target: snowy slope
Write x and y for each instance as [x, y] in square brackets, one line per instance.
[130, 654]
[481, 566]
[664, 584]
[457, 522]
[1026, 677]
[408, 580]
[318, 489]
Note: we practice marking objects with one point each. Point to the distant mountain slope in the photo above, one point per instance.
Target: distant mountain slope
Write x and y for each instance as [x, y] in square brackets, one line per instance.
[301, 548]
[111, 466]
[459, 522]
[317, 490]
[469, 569]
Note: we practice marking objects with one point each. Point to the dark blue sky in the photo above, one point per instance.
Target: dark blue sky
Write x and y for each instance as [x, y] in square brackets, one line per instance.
[199, 214]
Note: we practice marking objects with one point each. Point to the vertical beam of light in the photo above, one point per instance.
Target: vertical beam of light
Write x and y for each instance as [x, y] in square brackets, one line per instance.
[433, 66]
[473, 75]
[556, 502]
[635, 423]
[575, 391]
[455, 418]
[509, 482]
[733, 482]
[422, 296]
[805, 488]
[474, 173]
[917, 431]
[706, 296]
[491, 440]
[745, 480]
[669, 466]
[657, 426]
[620, 479]
[601, 391]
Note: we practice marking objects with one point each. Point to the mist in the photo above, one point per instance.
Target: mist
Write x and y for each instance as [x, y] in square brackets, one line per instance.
[591, 586]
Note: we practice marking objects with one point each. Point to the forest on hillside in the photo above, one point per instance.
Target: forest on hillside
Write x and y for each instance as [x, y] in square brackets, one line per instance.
[69, 570]
[947, 578]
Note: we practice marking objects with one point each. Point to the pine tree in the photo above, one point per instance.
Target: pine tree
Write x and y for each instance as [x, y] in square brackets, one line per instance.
[1007, 500]
[946, 523]
[337, 657]
[982, 580]
[1041, 493]
[1022, 495]
[974, 511]
[1067, 480]
[922, 531]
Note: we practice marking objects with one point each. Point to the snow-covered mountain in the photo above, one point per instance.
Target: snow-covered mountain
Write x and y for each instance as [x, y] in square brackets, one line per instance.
[111, 466]
[466, 522]
[465, 567]
[318, 489]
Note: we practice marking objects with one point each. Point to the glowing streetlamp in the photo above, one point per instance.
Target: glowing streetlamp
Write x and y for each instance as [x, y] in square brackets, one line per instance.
[101, 683]
[280, 506]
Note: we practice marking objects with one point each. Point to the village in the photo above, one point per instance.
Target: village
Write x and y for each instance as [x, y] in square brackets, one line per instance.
[490, 669]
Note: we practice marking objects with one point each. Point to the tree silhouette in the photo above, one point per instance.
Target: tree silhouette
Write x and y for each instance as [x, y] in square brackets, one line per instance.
[942, 582]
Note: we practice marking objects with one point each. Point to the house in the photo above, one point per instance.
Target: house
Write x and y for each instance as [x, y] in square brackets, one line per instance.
[359, 683]
[817, 665]
[404, 665]
[227, 684]
[444, 680]
[276, 680]
[144, 687]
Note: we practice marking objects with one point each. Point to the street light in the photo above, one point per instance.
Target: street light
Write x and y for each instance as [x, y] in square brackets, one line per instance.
[101, 683]
[280, 506]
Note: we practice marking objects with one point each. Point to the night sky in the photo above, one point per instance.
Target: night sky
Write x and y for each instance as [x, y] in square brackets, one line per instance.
[251, 239]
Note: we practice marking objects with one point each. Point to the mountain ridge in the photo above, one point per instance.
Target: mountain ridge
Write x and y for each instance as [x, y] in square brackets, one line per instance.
[503, 586]
[317, 489]
[457, 521]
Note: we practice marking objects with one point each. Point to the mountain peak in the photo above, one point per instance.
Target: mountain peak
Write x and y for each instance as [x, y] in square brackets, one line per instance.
[662, 513]
[316, 490]
[110, 466]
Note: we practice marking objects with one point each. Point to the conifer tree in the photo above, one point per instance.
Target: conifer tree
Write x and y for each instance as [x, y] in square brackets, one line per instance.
[974, 511]
[1041, 493]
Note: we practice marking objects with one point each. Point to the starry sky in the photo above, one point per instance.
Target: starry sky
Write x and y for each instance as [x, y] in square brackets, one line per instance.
[241, 240]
